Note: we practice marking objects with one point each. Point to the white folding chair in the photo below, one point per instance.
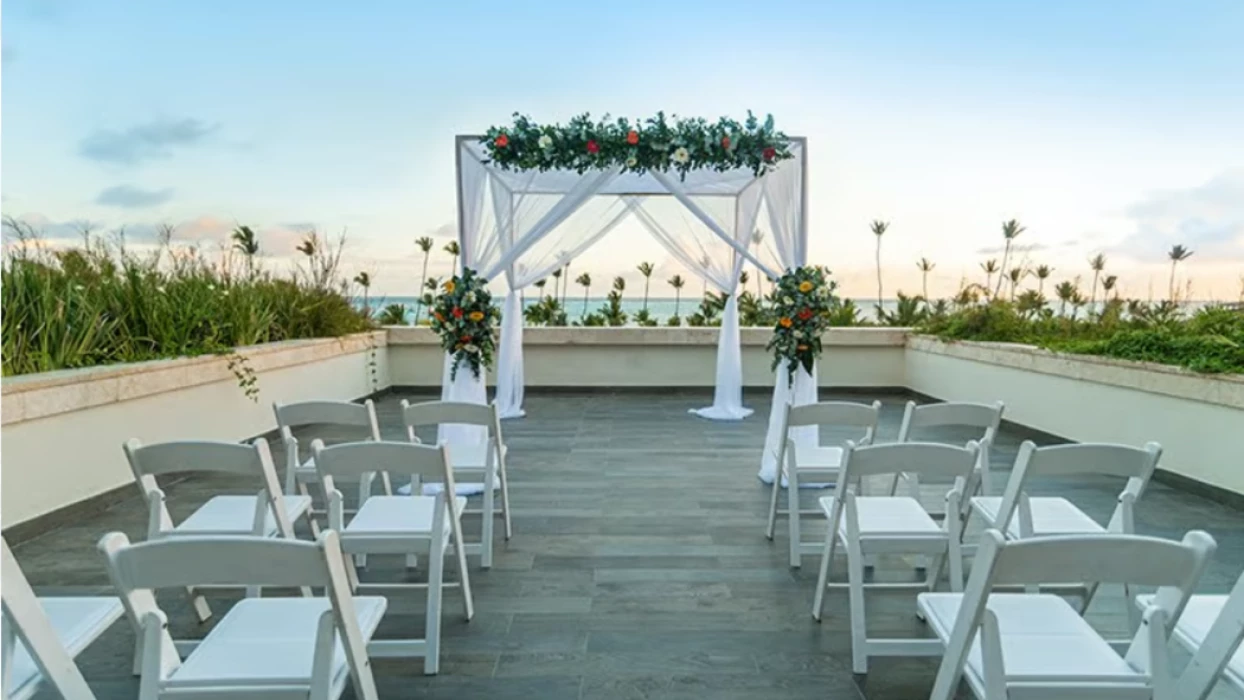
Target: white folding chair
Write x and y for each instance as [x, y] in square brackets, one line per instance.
[1211, 628]
[1035, 645]
[357, 420]
[1020, 516]
[41, 636]
[275, 648]
[953, 414]
[814, 464]
[268, 514]
[872, 525]
[411, 525]
[486, 459]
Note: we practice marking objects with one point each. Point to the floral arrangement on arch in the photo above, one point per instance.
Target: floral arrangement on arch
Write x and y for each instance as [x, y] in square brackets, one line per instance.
[801, 302]
[657, 144]
[463, 315]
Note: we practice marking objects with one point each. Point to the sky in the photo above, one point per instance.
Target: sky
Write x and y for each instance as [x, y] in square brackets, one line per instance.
[1104, 127]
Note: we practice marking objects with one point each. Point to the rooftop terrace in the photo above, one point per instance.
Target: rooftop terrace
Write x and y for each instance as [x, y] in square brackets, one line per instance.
[638, 567]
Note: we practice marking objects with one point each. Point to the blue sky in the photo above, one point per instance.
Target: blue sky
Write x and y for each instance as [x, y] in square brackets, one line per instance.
[1103, 126]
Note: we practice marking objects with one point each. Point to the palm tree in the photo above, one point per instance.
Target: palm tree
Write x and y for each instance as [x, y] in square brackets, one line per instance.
[990, 267]
[646, 269]
[1097, 263]
[1066, 292]
[246, 243]
[1010, 231]
[1043, 273]
[1108, 284]
[565, 282]
[1015, 274]
[539, 284]
[424, 244]
[557, 284]
[1177, 255]
[586, 280]
[677, 283]
[758, 237]
[363, 279]
[879, 228]
[926, 266]
[452, 248]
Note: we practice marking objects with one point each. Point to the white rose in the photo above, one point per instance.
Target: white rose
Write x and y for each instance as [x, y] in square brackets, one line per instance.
[546, 141]
[471, 348]
[631, 162]
[787, 300]
[469, 298]
[681, 155]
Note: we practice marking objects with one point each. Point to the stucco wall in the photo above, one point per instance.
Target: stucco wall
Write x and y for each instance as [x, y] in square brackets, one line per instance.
[656, 357]
[63, 431]
[1198, 419]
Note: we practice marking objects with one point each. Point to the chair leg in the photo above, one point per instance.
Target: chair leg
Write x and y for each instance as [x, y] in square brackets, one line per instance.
[489, 515]
[352, 574]
[412, 561]
[859, 628]
[956, 565]
[773, 503]
[202, 610]
[432, 627]
[792, 505]
[822, 579]
[505, 502]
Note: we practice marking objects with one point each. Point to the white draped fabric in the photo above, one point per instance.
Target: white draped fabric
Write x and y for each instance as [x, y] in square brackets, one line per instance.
[539, 221]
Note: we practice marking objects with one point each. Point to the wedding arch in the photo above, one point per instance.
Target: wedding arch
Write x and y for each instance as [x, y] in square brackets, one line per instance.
[531, 198]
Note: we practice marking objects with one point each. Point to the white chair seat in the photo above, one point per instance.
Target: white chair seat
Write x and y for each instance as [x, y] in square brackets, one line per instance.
[270, 641]
[77, 621]
[396, 516]
[888, 516]
[1043, 639]
[1193, 626]
[471, 456]
[817, 458]
[1050, 516]
[225, 515]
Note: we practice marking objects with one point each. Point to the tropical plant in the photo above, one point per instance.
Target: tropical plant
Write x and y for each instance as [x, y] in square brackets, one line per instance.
[844, 313]
[1108, 284]
[1042, 273]
[247, 243]
[1010, 231]
[926, 266]
[646, 269]
[453, 249]
[879, 228]
[1030, 304]
[1177, 254]
[1066, 292]
[1015, 274]
[612, 310]
[677, 282]
[545, 312]
[363, 279]
[990, 267]
[424, 244]
[907, 313]
[392, 315]
[1097, 263]
[585, 279]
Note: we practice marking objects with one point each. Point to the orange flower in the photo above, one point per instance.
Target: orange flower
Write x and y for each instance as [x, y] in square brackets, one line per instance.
[449, 286]
[801, 348]
[502, 141]
[476, 316]
[632, 137]
[784, 322]
[438, 316]
[805, 286]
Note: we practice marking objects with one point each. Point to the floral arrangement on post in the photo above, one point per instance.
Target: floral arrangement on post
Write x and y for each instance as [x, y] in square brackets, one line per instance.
[463, 314]
[654, 144]
[801, 303]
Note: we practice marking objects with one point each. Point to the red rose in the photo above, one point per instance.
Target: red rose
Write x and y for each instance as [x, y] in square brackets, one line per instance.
[465, 339]
[805, 314]
[770, 153]
[592, 147]
[632, 137]
[725, 142]
[502, 141]
[457, 312]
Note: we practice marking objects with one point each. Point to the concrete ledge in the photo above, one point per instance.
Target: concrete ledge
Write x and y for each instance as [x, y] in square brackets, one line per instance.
[1221, 389]
[29, 397]
[659, 337]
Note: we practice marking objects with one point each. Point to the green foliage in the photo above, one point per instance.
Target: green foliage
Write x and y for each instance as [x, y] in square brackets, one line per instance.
[612, 311]
[86, 307]
[654, 144]
[802, 301]
[546, 312]
[709, 311]
[392, 315]
[843, 312]
[907, 313]
[463, 314]
[644, 318]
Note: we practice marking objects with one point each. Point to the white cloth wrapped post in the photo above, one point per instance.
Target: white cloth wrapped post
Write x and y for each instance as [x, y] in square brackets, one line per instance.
[802, 393]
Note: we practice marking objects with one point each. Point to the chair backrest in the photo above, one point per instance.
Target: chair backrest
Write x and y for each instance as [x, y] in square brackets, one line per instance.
[344, 414]
[138, 570]
[1136, 464]
[986, 417]
[353, 460]
[847, 414]
[254, 459]
[1217, 648]
[930, 459]
[25, 620]
[436, 413]
[1173, 567]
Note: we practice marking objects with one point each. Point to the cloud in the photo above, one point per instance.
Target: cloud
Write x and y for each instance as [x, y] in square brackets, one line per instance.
[142, 142]
[1208, 218]
[1015, 249]
[130, 197]
[447, 230]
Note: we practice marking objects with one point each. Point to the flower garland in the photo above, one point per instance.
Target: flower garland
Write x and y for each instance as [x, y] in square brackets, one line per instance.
[801, 303]
[463, 314]
[655, 144]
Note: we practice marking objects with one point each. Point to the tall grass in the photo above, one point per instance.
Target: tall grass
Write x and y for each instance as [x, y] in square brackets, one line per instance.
[99, 304]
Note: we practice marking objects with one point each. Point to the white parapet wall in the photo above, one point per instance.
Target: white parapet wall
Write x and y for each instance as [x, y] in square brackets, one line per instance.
[63, 431]
[1198, 419]
[657, 357]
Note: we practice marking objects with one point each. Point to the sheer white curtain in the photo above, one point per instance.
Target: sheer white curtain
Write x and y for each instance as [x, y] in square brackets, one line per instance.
[784, 197]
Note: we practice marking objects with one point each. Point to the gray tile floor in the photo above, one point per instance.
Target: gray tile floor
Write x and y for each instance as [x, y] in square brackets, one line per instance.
[638, 568]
